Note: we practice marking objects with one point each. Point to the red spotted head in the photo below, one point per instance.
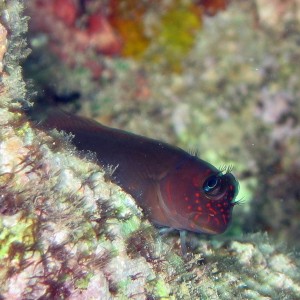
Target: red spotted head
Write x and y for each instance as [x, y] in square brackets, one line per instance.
[196, 196]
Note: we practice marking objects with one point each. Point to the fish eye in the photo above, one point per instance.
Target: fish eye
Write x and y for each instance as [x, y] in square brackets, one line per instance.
[212, 185]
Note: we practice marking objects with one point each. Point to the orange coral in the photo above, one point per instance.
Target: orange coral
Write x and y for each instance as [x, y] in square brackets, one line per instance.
[102, 35]
[127, 17]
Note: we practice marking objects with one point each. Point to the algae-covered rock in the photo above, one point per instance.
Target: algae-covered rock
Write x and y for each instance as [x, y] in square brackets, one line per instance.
[67, 232]
[64, 229]
[251, 268]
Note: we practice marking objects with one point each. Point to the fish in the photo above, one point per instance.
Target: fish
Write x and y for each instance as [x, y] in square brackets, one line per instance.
[174, 188]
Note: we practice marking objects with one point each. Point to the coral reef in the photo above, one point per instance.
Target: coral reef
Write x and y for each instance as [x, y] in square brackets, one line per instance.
[120, 27]
[67, 232]
[87, 36]
[64, 229]
[237, 103]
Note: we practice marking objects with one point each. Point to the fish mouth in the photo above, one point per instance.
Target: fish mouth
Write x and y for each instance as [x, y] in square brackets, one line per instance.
[208, 230]
[205, 224]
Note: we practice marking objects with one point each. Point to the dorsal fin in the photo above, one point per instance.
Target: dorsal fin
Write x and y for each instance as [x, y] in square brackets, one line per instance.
[56, 118]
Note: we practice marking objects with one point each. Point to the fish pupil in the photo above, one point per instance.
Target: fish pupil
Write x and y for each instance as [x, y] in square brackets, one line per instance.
[210, 183]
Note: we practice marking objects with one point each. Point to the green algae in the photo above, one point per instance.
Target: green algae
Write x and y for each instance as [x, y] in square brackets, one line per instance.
[170, 44]
[19, 232]
[83, 283]
[130, 226]
[161, 290]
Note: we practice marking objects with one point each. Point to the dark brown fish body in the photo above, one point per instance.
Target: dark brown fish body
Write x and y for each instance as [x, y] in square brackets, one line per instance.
[174, 188]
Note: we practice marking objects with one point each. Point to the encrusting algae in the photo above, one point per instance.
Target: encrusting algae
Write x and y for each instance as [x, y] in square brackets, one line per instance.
[66, 232]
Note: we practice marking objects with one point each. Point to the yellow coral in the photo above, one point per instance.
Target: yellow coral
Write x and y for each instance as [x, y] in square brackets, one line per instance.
[172, 36]
[176, 33]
